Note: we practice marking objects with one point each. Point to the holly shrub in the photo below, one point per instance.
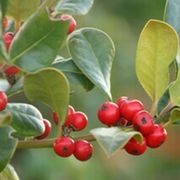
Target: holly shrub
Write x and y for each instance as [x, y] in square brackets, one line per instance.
[32, 36]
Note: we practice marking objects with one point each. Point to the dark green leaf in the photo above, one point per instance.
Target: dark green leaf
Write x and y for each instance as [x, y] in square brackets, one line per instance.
[163, 101]
[7, 146]
[9, 173]
[172, 14]
[114, 138]
[20, 10]
[93, 52]
[26, 119]
[37, 43]
[49, 86]
[76, 78]
[74, 7]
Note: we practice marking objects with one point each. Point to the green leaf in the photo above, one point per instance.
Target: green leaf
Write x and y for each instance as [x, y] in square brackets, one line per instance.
[49, 86]
[114, 138]
[26, 119]
[5, 119]
[172, 14]
[20, 10]
[74, 7]
[37, 43]
[93, 52]
[174, 91]
[9, 173]
[3, 7]
[16, 88]
[175, 116]
[157, 48]
[163, 101]
[76, 78]
[7, 146]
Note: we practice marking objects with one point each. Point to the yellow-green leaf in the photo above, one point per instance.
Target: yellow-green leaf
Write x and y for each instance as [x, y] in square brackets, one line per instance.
[156, 50]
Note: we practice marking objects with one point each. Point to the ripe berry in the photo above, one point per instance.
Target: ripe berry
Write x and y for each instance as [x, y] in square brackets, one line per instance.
[77, 121]
[7, 38]
[69, 112]
[134, 147]
[3, 100]
[143, 122]
[47, 130]
[11, 70]
[109, 113]
[121, 100]
[83, 150]
[64, 146]
[130, 108]
[72, 24]
[56, 118]
[157, 137]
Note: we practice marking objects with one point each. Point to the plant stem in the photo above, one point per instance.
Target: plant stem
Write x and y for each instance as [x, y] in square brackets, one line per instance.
[47, 143]
[153, 108]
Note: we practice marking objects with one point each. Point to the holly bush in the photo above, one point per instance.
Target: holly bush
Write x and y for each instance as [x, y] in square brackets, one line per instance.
[32, 63]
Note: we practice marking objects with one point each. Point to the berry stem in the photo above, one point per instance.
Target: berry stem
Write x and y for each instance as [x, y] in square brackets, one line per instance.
[47, 143]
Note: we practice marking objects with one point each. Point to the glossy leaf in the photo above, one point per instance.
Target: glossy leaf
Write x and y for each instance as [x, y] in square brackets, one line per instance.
[5, 119]
[20, 10]
[26, 119]
[49, 86]
[7, 146]
[93, 52]
[16, 88]
[37, 43]
[74, 7]
[114, 138]
[172, 14]
[9, 173]
[157, 48]
[76, 78]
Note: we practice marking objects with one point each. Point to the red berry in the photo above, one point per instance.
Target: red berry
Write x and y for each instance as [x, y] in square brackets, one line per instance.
[56, 118]
[130, 108]
[134, 147]
[11, 70]
[109, 113]
[143, 122]
[64, 146]
[83, 150]
[121, 100]
[72, 24]
[68, 116]
[157, 137]
[7, 38]
[3, 100]
[47, 130]
[77, 121]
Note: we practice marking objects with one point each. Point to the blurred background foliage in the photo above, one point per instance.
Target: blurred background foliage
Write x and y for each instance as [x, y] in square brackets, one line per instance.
[123, 20]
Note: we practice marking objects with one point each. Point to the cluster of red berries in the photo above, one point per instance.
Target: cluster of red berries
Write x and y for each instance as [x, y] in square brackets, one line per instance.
[65, 146]
[132, 113]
